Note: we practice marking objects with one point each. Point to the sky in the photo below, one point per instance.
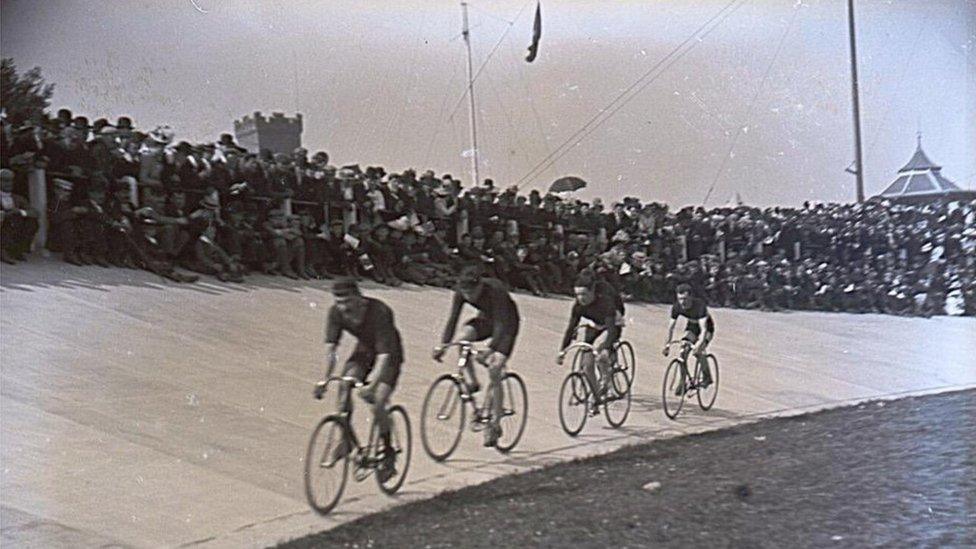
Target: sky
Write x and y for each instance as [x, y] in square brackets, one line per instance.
[758, 103]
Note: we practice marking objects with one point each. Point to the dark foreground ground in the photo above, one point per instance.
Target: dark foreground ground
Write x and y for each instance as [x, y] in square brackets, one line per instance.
[899, 473]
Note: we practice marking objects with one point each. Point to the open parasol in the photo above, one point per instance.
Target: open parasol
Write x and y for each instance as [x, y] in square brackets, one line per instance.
[567, 184]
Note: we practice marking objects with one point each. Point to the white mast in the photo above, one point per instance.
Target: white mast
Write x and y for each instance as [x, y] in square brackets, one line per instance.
[474, 130]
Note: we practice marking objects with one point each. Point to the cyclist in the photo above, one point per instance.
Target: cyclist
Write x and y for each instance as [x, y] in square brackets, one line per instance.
[498, 320]
[379, 350]
[694, 310]
[597, 301]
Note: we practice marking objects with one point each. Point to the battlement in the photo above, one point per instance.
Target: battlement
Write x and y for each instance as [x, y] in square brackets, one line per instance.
[277, 133]
[277, 120]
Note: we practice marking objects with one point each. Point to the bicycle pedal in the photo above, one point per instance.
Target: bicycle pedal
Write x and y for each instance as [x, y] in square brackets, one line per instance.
[361, 473]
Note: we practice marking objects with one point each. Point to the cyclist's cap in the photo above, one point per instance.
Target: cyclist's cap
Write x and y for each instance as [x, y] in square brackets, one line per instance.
[586, 279]
[469, 277]
[682, 289]
[345, 287]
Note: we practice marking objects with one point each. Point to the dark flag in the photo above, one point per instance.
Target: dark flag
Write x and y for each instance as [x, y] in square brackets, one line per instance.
[536, 33]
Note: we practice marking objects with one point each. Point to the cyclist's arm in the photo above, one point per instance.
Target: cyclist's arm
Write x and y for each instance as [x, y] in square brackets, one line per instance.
[613, 332]
[502, 310]
[330, 359]
[386, 344]
[619, 302]
[384, 362]
[333, 331]
[709, 325]
[574, 319]
[452, 321]
[671, 325]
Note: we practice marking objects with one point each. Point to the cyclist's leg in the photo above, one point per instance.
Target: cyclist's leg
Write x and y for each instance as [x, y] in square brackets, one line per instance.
[381, 400]
[502, 344]
[586, 360]
[691, 336]
[476, 329]
[706, 373]
[606, 355]
[358, 367]
[496, 369]
[384, 389]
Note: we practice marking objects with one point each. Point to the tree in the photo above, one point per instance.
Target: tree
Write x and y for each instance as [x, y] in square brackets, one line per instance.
[24, 97]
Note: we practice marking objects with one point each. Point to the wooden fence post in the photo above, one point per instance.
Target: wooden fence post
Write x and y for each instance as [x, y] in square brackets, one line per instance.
[37, 190]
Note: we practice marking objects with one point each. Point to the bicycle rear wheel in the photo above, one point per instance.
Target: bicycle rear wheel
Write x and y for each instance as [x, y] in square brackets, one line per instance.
[442, 418]
[327, 464]
[574, 399]
[515, 410]
[401, 444]
[673, 378]
[616, 401]
[706, 396]
[627, 361]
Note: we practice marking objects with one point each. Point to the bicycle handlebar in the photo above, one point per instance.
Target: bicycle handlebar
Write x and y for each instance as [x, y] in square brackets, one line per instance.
[460, 343]
[585, 325]
[354, 381]
[681, 342]
[580, 345]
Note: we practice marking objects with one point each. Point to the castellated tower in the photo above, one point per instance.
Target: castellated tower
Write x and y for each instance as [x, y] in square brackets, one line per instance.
[277, 133]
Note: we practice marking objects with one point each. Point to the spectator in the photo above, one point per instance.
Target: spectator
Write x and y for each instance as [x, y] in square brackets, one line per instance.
[18, 221]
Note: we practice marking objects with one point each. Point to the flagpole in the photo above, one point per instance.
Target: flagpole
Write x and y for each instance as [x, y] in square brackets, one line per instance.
[858, 156]
[471, 109]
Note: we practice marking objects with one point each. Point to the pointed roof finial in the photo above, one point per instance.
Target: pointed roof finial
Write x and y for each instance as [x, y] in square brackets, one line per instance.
[918, 137]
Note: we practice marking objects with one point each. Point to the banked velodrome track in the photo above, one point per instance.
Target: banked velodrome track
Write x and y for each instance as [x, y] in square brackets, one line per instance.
[142, 413]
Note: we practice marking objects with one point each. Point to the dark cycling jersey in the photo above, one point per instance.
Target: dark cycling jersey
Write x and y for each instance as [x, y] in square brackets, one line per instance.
[495, 307]
[602, 310]
[376, 334]
[695, 312]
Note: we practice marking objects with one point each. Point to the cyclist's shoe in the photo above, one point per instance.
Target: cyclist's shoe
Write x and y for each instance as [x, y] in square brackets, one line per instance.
[479, 420]
[338, 453]
[492, 434]
[473, 387]
[706, 379]
[680, 391]
[594, 409]
[387, 468]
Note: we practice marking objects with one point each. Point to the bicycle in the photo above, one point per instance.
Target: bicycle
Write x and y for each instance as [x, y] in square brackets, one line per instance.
[576, 395]
[444, 410]
[333, 461]
[623, 354]
[677, 374]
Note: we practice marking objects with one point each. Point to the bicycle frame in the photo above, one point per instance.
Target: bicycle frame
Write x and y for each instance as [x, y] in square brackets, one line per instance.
[346, 417]
[686, 347]
[465, 351]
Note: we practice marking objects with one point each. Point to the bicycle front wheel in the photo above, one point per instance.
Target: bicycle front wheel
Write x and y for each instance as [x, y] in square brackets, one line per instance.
[401, 445]
[327, 464]
[673, 380]
[442, 418]
[574, 398]
[616, 401]
[578, 360]
[706, 396]
[515, 410]
[627, 361]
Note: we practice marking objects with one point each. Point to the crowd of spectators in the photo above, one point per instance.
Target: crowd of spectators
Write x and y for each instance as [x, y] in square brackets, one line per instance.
[122, 197]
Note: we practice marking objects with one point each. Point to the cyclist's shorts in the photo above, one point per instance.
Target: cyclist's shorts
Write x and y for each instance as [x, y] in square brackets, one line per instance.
[503, 342]
[691, 334]
[360, 365]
